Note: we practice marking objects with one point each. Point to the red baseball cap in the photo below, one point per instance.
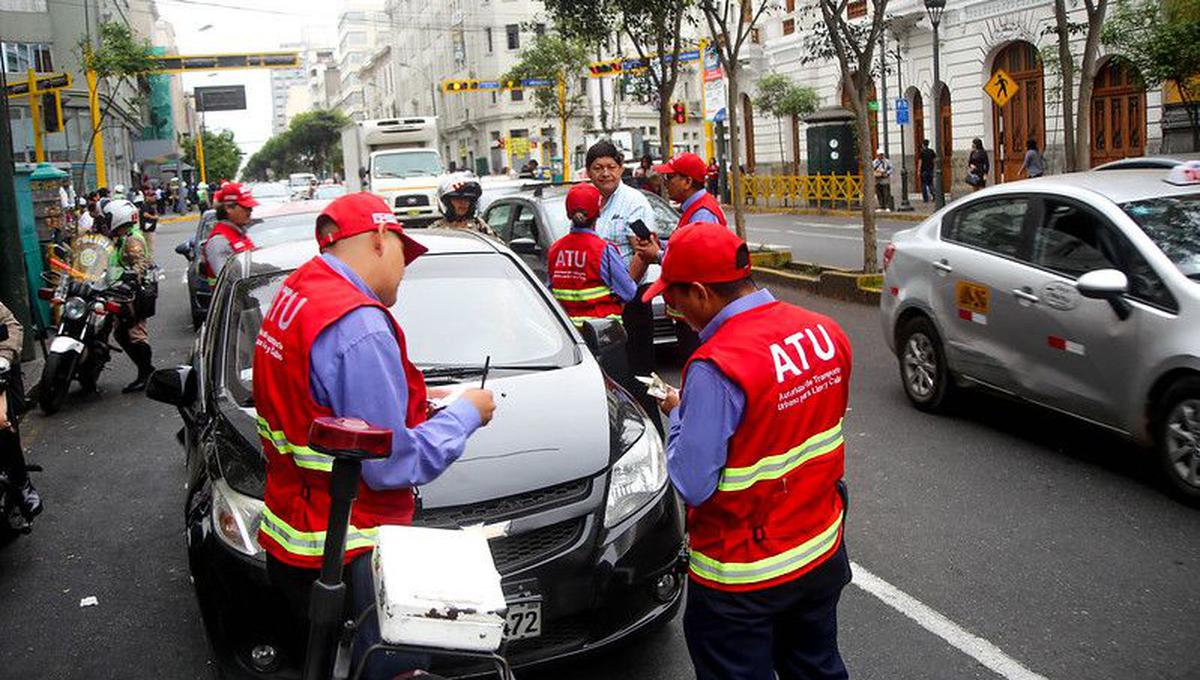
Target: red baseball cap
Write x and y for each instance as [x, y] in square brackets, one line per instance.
[235, 192]
[583, 198]
[687, 164]
[361, 213]
[702, 252]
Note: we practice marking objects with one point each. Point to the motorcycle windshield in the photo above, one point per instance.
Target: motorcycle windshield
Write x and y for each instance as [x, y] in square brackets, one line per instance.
[93, 255]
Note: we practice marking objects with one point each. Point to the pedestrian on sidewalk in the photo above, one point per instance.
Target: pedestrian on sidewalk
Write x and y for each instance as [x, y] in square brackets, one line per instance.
[926, 164]
[767, 562]
[713, 176]
[328, 346]
[1034, 165]
[978, 165]
[882, 167]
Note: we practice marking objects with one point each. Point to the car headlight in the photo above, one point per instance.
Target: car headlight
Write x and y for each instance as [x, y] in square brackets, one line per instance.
[235, 518]
[74, 309]
[637, 477]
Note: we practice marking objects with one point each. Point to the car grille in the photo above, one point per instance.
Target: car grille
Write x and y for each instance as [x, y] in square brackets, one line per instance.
[514, 552]
[507, 507]
[412, 201]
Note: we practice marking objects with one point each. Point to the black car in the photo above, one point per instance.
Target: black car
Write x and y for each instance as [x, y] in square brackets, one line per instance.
[272, 224]
[596, 531]
[532, 218]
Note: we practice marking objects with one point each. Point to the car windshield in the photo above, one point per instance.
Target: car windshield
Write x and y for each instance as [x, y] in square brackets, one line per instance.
[282, 229]
[330, 191]
[1173, 223]
[406, 164]
[456, 310]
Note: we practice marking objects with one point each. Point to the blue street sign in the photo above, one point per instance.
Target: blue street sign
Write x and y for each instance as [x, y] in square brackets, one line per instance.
[537, 82]
[902, 116]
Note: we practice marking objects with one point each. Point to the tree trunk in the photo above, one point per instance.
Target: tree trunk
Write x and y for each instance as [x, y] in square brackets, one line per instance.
[664, 127]
[862, 122]
[1087, 85]
[1067, 65]
[735, 152]
[782, 155]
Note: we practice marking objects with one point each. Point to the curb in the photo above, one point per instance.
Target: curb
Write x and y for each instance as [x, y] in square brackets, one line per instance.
[894, 216]
[836, 285]
[178, 218]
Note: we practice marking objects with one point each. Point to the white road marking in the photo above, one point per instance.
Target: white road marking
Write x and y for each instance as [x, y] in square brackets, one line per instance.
[933, 621]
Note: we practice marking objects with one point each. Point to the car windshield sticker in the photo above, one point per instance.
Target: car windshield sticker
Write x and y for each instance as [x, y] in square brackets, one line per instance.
[1064, 345]
[974, 301]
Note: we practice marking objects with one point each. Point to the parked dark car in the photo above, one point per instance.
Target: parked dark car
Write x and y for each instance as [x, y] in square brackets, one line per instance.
[275, 223]
[531, 219]
[571, 461]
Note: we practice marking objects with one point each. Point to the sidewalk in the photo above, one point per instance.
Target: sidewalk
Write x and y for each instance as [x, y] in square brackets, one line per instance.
[920, 210]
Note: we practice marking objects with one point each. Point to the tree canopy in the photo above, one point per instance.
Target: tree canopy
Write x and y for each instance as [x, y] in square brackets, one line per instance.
[550, 57]
[311, 143]
[222, 156]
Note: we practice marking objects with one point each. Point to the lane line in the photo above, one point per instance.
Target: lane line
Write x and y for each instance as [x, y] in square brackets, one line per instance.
[986, 653]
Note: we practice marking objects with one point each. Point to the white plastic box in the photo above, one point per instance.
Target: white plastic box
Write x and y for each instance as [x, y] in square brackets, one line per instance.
[438, 588]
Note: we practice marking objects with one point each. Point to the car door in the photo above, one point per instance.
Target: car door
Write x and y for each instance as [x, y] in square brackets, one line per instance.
[1077, 354]
[976, 268]
[499, 217]
[527, 240]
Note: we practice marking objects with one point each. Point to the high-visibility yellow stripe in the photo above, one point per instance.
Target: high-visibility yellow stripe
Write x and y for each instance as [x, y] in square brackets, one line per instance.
[311, 543]
[766, 569]
[578, 320]
[774, 467]
[583, 295]
[302, 456]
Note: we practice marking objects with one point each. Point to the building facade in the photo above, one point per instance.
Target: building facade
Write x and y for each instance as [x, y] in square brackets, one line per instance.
[282, 82]
[977, 39]
[363, 27]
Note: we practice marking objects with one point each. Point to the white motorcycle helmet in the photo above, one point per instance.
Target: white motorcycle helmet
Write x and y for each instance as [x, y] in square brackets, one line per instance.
[459, 186]
[118, 191]
[120, 212]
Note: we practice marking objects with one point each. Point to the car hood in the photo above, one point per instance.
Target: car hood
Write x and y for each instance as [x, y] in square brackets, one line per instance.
[550, 427]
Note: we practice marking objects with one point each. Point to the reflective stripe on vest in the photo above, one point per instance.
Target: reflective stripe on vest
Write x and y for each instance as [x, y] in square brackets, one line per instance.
[302, 456]
[774, 467]
[578, 320]
[311, 543]
[743, 573]
[584, 295]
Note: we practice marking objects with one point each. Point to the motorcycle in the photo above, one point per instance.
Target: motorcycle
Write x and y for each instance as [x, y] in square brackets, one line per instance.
[88, 307]
[13, 521]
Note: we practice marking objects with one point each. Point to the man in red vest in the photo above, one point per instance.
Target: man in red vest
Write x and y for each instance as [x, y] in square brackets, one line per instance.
[756, 451]
[328, 346]
[587, 275]
[228, 236]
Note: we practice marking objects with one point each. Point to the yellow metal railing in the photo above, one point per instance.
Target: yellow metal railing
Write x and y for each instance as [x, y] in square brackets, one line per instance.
[782, 191]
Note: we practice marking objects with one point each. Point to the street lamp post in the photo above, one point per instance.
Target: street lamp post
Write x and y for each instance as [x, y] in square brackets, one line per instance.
[904, 206]
[935, 9]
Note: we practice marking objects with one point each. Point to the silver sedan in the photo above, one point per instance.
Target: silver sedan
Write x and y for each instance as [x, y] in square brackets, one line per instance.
[1078, 292]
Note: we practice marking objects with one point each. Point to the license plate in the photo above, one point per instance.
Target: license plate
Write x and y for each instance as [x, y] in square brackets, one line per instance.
[524, 620]
[412, 213]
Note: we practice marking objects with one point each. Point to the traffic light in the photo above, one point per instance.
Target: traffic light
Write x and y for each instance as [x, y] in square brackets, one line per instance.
[52, 116]
[679, 113]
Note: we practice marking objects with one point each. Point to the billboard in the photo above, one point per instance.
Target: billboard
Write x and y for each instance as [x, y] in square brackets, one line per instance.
[221, 98]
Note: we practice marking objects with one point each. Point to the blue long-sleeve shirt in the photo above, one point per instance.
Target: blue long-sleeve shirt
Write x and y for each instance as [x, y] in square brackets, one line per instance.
[703, 214]
[710, 409]
[356, 372]
[613, 270]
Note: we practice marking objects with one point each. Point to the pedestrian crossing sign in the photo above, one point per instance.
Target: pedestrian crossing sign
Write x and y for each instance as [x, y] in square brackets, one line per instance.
[1001, 87]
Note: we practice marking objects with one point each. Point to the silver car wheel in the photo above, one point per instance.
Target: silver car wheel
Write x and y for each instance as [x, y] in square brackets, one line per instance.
[1183, 441]
[920, 366]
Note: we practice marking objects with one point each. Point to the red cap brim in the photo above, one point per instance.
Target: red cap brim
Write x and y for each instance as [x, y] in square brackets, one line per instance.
[664, 169]
[655, 289]
[412, 249]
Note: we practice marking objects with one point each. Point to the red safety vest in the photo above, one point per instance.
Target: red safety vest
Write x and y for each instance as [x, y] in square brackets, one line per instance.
[776, 513]
[706, 201]
[574, 263]
[236, 238]
[297, 495]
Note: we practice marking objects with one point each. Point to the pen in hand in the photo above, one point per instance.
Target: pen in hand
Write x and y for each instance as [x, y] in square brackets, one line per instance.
[486, 365]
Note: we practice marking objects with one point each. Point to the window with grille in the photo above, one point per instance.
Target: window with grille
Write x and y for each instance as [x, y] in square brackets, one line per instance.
[513, 33]
[856, 9]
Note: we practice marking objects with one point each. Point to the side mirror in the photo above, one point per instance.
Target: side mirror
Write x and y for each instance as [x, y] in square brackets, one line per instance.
[1106, 284]
[524, 246]
[185, 249]
[606, 339]
[175, 386]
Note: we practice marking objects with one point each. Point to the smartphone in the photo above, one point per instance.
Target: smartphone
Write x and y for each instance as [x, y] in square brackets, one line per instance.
[640, 230]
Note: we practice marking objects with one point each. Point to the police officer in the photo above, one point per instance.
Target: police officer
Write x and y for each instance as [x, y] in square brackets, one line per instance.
[459, 197]
[685, 177]
[756, 451]
[131, 262]
[228, 236]
[329, 346]
[587, 275]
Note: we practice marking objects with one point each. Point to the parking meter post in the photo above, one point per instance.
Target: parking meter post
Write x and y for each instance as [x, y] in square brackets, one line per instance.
[329, 592]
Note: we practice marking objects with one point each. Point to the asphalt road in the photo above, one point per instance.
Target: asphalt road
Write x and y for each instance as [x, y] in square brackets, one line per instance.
[832, 241]
[1051, 541]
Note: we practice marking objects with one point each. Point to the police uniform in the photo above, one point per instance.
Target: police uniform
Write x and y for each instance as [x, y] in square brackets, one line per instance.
[757, 452]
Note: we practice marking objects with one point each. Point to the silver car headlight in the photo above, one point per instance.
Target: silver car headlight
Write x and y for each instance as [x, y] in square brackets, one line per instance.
[637, 477]
[235, 519]
[74, 309]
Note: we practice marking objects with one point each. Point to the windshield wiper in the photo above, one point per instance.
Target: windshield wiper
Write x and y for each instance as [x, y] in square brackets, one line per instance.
[452, 371]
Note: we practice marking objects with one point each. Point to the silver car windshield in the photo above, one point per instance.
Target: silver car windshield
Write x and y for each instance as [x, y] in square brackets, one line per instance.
[456, 310]
[1173, 223]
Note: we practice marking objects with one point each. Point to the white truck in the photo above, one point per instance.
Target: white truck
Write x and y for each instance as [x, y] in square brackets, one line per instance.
[396, 159]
